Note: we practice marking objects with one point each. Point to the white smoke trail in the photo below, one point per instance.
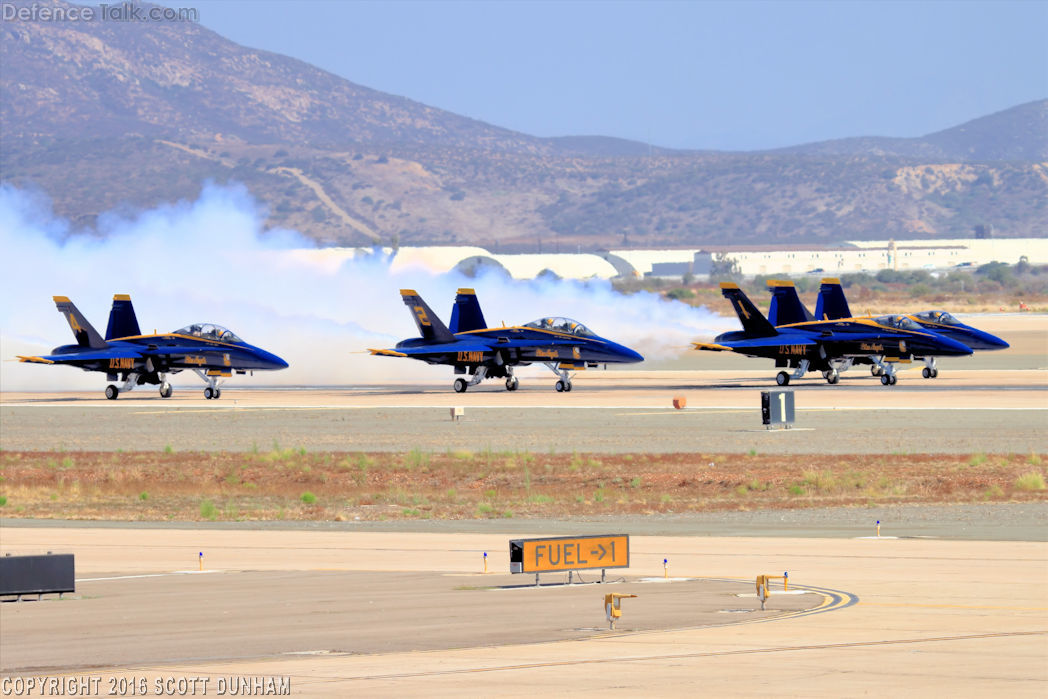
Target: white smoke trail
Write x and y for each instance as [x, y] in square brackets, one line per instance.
[210, 260]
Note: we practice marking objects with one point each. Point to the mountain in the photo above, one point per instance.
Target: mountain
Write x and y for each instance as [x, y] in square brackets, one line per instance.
[125, 115]
[1016, 134]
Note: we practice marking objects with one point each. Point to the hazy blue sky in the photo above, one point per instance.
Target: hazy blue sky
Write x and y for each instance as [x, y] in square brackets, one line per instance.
[725, 75]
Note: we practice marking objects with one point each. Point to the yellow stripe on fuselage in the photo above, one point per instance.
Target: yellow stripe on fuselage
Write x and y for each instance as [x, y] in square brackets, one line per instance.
[179, 336]
[858, 321]
[558, 333]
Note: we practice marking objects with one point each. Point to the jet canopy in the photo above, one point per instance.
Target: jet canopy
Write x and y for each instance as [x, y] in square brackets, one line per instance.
[209, 331]
[900, 322]
[941, 317]
[562, 325]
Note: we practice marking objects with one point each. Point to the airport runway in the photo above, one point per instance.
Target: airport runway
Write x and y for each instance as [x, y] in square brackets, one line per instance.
[965, 411]
[897, 616]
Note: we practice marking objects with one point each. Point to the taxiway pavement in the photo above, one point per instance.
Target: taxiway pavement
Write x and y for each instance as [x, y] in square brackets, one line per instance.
[897, 616]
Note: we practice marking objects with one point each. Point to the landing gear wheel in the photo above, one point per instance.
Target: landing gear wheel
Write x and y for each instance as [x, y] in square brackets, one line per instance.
[895, 379]
[512, 383]
[165, 390]
[567, 386]
[112, 392]
[209, 393]
[782, 378]
[876, 371]
[885, 380]
[926, 373]
[460, 385]
[832, 376]
[560, 386]
[218, 393]
[935, 373]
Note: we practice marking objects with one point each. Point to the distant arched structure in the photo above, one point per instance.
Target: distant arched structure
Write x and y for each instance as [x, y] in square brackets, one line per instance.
[622, 266]
[477, 265]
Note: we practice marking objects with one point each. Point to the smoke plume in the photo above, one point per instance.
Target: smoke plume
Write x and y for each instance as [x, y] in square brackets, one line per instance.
[210, 260]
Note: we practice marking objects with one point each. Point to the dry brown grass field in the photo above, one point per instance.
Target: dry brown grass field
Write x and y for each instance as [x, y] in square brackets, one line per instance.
[295, 485]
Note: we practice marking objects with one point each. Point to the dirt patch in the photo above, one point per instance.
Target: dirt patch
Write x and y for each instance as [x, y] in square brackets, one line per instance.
[333, 486]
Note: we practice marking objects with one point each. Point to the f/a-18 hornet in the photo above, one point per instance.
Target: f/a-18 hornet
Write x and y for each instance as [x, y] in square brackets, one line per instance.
[829, 346]
[832, 304]
[471, 347]
[209, 350]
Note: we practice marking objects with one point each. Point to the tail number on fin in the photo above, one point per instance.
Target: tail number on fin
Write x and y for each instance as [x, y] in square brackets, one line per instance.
[122, 363]
[73, 323]
[471, 357]
[420, 313]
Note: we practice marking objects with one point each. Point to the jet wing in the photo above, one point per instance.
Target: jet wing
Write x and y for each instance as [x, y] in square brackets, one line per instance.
[111, 353]
[754, 342]
[437, 348]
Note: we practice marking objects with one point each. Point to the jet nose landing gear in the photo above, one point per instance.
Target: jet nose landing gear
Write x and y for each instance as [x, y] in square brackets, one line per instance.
[212, 391]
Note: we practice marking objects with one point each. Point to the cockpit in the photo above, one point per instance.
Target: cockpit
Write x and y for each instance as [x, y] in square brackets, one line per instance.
[561, 325]
[210, 331]
[900, 322]
[940, 317]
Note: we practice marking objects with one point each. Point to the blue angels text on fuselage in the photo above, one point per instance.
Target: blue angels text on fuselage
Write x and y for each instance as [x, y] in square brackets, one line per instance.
[832, 305]
[830, 346]
[126, 355]
[474, 349]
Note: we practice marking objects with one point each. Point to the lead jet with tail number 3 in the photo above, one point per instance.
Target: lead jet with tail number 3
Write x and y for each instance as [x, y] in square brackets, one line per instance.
[830, 346]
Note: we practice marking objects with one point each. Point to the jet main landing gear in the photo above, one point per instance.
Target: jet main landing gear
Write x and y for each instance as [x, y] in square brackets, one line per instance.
[112, 392]
[461, 385]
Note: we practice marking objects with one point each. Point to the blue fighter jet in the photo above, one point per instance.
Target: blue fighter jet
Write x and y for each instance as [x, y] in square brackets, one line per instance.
[471, 347]
[832, 305]
[829, 346]
[209, 350]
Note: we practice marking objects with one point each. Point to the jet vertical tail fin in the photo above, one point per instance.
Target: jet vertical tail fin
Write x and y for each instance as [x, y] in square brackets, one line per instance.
[466, 314]
[832, 304]
[786, 307]
[122, 319]
[86, 336]
[754, 324]
[429, 325]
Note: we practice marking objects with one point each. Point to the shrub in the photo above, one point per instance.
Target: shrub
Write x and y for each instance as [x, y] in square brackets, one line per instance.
[208, 510]
[308, 498]
[1030, 481]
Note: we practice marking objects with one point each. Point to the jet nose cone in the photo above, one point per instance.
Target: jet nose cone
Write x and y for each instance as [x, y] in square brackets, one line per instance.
[955, 347]
[994, 342]
[629, 356]
[274, 360]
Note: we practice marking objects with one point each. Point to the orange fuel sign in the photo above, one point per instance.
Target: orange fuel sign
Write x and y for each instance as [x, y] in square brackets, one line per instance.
[571, 553]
